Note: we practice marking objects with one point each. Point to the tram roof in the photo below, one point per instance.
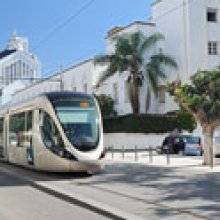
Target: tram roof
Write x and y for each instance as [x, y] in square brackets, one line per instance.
[50, 95]
[65, 94]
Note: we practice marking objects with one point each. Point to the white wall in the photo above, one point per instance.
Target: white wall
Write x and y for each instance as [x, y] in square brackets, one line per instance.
[118, 140]
[130, 140]
[9, 90]
[187, 32]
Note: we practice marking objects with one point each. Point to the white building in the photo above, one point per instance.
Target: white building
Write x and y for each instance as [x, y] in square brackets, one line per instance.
[16, 63]
[81, 77]
[191, 30]
[192, 38]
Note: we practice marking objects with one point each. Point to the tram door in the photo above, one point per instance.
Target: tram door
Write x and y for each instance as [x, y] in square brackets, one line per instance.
[28, 139]
[20, 138]
[2, 145]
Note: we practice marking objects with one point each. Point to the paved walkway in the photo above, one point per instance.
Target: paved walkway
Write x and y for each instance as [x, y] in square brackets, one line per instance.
[142, 191]
[155, 159]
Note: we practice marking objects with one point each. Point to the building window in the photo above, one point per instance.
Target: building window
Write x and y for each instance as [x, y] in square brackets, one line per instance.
[19, 69]
[162, 94]
[31, 74]
[23, 69]
[213, 48]
[12, 72]
[115, 92]
[126, 91]
[6, 78]
[74, 88]
[160, 50]
[27, 72]
[212, 15]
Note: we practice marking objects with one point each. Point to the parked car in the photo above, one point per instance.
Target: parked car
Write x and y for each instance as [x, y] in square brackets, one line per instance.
[172, 144]
[193, 145]
[181, 144]
[217, 146]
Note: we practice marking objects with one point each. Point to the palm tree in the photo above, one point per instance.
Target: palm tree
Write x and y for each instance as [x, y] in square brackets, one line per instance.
[130, 50]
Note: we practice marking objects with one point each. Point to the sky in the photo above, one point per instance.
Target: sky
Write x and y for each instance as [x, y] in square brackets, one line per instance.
[66, 32]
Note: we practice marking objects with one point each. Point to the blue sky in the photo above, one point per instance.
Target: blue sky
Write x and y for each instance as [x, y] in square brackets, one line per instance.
[82, 38]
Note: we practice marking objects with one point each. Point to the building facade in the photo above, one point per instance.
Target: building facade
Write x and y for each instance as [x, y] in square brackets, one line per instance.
[78, 78]
[192, 38]
[16, 63]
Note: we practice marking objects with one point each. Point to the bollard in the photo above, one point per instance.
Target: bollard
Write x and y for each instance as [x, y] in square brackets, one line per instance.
[112, 151]
[123, 152]
[168, 156]
[135, 154]
[150, 154]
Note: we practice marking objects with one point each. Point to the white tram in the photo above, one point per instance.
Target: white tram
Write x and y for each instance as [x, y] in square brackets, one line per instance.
[56, 131]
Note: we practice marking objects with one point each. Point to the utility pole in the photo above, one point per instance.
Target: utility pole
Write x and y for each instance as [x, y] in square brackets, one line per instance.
[61, 78]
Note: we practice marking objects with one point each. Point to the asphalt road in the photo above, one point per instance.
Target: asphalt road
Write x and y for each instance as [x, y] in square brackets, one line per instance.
[20, 201]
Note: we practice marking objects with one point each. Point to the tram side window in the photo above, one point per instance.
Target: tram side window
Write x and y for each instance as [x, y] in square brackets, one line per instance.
[50, 134]
[1, 138]
[17, 129]
[29, 120]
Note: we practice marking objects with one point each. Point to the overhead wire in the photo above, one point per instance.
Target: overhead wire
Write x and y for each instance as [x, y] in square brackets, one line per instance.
[63, 24]
[84, 7]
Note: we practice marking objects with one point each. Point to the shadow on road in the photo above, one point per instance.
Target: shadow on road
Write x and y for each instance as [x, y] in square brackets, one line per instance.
[184, 189]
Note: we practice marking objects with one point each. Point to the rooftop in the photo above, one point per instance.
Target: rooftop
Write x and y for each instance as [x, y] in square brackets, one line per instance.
[156, 2]
[118, 29]
[6, 52]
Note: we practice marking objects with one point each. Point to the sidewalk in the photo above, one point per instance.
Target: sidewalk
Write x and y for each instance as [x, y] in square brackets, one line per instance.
[175, 161]
[137, 190]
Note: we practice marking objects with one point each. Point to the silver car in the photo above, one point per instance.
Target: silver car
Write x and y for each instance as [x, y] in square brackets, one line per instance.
[193, 146]
[217, 146]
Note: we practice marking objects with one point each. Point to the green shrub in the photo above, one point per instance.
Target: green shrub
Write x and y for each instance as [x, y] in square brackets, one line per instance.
[186, 121]
[150, 123]
[106, 104]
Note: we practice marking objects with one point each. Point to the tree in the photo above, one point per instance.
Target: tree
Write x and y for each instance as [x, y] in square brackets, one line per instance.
[106, 104]
[130, 50]
[202, 99]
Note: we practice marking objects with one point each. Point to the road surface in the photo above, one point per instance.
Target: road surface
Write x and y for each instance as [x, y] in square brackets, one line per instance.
[20, 201]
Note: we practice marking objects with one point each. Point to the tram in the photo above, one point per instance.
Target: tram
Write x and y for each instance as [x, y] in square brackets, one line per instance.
[54, 131]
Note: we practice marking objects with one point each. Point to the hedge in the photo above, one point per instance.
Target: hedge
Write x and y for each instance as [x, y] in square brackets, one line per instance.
[148, 123]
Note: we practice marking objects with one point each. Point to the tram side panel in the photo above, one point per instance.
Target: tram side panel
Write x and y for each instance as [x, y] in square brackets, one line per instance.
[3, 138]
[44, 159]
[17, 137]
[25, 146]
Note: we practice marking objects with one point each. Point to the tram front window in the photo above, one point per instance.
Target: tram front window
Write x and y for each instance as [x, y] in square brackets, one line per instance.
[79, 120]
[50, 134]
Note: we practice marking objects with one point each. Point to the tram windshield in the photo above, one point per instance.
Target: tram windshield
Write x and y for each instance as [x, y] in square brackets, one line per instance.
[79, 119]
